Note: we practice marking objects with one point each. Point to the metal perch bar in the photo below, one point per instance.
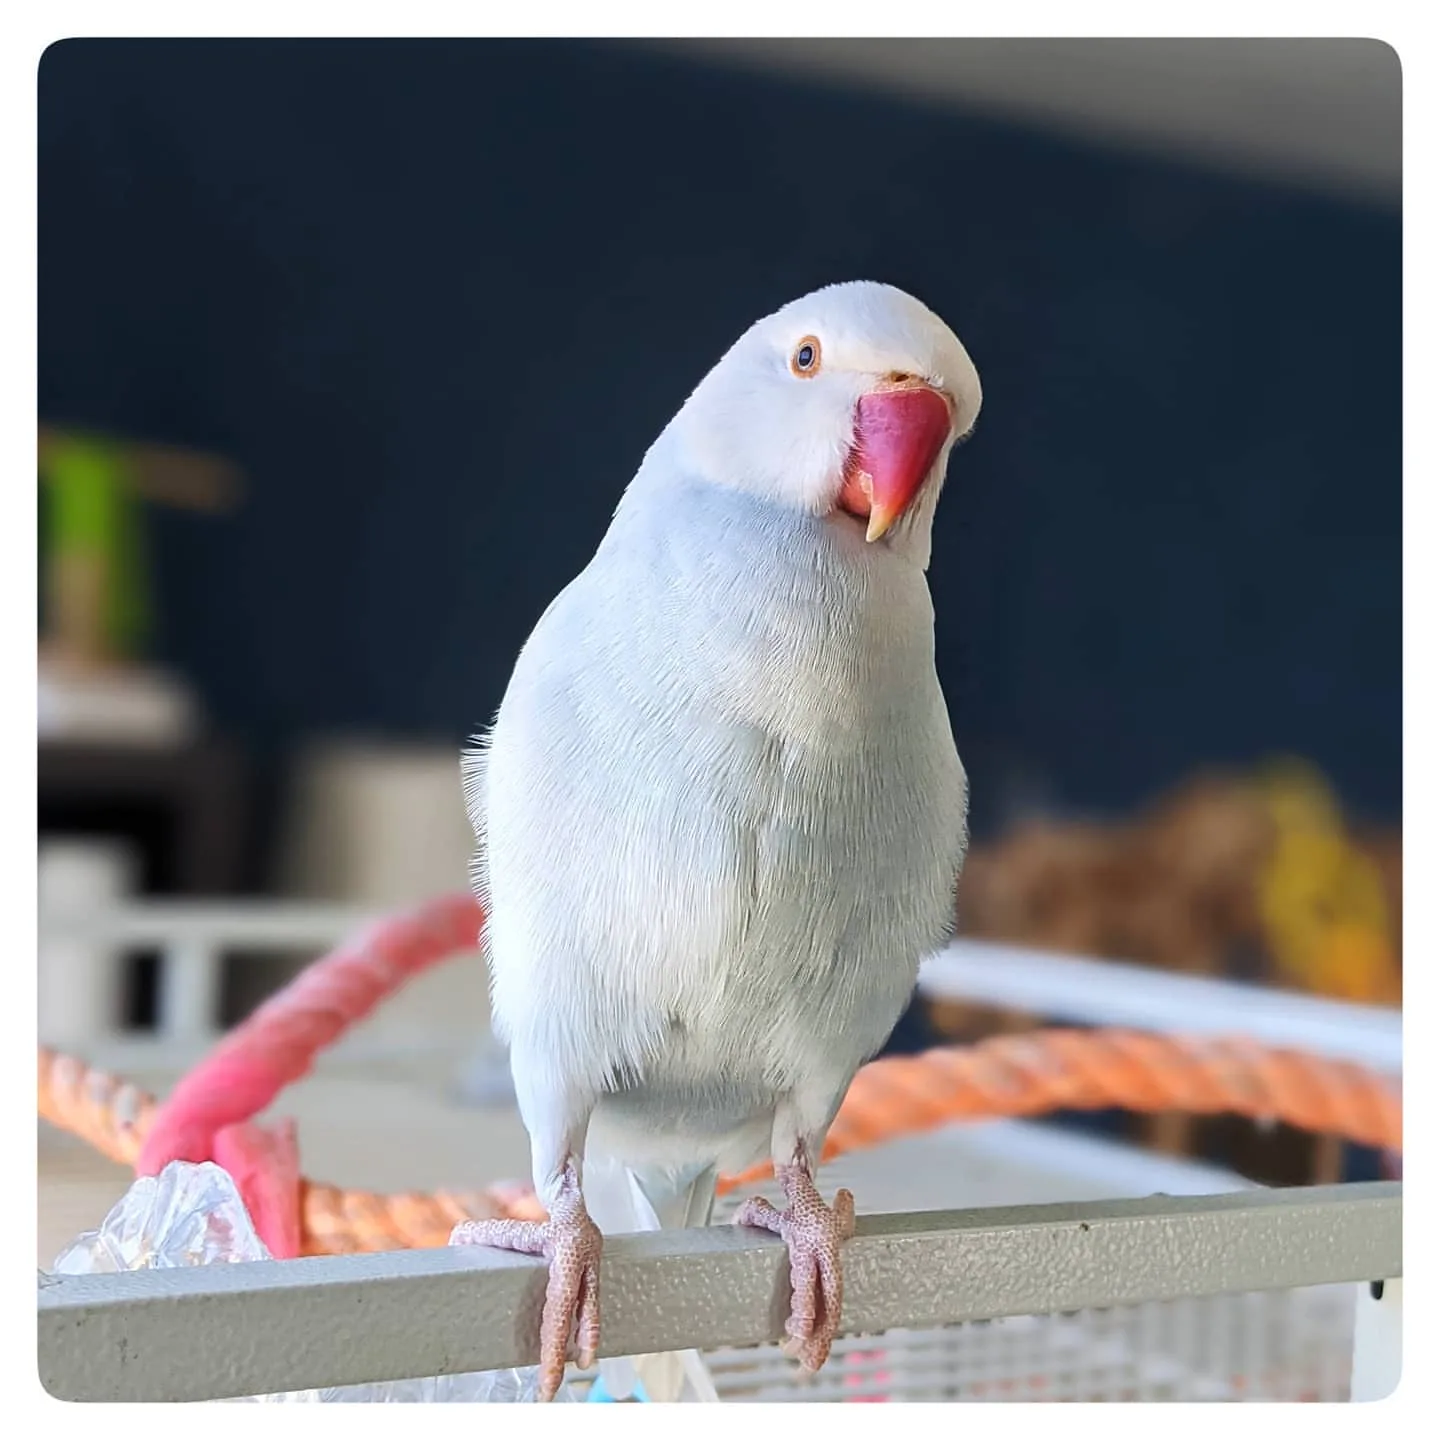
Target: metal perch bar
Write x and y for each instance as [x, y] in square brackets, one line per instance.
[230, 1330]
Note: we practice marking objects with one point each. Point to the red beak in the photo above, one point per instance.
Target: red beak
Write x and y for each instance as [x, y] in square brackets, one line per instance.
[899, 434]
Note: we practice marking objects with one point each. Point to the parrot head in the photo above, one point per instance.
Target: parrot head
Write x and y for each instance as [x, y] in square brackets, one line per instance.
[844, 404]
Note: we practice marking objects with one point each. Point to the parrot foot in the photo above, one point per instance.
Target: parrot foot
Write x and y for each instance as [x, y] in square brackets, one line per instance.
[571, 1242]
[813, 1232]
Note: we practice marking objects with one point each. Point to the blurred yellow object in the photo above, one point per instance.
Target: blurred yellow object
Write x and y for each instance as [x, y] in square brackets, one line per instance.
[1322, 899]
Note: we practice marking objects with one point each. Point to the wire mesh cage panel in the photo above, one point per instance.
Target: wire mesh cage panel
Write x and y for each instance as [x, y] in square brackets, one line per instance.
[1280, 1345]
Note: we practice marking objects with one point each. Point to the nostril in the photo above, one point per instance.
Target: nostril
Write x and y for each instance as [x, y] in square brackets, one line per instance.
[899, 377]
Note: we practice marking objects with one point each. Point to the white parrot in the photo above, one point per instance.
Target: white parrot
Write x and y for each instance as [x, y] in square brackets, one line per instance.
[720, 815]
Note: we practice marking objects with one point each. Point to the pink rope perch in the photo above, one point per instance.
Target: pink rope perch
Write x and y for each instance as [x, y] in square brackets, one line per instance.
[210, 1113]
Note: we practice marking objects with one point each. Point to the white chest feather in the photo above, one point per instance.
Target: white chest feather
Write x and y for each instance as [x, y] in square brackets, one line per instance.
[721, 808]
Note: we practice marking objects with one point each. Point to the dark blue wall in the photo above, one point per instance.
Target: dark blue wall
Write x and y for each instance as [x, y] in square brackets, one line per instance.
[438, 297]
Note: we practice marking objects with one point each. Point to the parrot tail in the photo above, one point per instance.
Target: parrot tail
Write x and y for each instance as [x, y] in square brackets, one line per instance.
[622, 1201]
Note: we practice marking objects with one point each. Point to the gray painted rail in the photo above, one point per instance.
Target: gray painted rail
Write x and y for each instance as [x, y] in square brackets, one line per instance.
[228, 1330]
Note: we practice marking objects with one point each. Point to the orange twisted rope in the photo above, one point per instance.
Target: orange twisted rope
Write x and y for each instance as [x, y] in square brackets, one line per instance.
[1007, 1075]
[208, 1114]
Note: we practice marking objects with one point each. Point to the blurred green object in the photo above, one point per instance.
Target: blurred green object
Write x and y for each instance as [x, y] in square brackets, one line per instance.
[97, 605]
[94, 522]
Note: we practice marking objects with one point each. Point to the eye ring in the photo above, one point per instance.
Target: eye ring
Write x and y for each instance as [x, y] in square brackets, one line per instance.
[805, 358]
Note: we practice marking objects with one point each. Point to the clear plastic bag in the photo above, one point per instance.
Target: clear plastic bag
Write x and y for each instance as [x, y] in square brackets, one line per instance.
[193, 1215]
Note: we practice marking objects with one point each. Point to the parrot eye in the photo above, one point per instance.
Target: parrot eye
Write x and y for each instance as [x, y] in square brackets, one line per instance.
[805, 362]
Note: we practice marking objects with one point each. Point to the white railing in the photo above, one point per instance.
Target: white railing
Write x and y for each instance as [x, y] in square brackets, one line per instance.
[231, 1330]
[193, 938]
[1102, 992]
